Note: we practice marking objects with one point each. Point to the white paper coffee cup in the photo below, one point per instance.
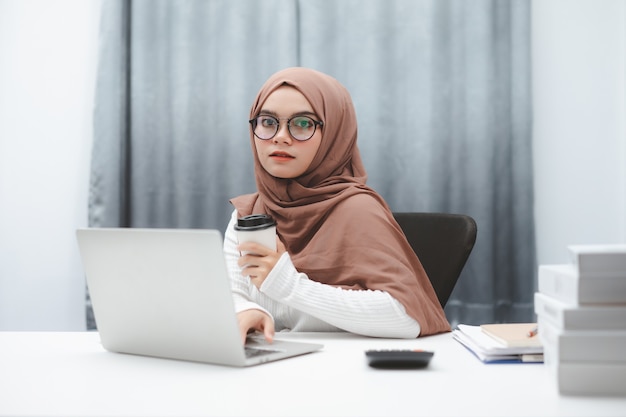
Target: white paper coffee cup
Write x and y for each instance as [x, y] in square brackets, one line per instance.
[259, 228]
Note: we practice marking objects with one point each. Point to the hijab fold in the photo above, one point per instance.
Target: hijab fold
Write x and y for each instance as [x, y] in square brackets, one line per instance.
[336, 229]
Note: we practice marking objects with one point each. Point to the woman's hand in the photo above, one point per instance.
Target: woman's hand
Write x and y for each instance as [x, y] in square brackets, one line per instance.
[255, 320]
[257, 260]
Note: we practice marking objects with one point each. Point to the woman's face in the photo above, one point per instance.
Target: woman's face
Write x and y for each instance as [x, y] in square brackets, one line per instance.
[283, 156]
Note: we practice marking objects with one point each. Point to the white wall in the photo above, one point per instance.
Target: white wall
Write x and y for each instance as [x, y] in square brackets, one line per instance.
[48, 52]
[579, 73]
[47, 72]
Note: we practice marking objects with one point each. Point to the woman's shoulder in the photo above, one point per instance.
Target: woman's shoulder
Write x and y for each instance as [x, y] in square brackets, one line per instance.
[244, 203]
[362, 206]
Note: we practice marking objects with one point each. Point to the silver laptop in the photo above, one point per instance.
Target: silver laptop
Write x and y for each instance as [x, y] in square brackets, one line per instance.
[166, 293]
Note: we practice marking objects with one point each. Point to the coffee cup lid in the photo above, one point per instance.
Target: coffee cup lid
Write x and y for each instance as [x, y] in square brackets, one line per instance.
[254, 222]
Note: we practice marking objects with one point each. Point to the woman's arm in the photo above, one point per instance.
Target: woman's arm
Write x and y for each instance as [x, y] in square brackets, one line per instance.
[250, 315]
[240, 285]
[366, 312]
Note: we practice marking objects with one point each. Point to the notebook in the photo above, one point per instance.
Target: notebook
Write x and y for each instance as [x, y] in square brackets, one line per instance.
[166, 293]
[513, 334]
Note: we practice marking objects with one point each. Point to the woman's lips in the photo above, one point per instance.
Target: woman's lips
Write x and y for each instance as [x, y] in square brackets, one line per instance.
[281, 155]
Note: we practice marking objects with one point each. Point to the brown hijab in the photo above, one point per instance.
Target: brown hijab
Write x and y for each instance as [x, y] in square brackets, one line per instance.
[336, 229]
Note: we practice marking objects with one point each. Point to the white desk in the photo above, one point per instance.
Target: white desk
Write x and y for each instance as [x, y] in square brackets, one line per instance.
[70, 374]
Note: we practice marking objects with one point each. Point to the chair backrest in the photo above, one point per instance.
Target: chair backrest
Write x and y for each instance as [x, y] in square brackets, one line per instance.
[443, 242]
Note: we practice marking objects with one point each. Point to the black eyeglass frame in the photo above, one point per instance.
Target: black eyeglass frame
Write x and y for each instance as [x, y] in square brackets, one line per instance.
[316, 123]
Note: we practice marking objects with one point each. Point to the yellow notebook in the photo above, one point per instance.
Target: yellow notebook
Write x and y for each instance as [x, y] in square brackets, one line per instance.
[513, 334]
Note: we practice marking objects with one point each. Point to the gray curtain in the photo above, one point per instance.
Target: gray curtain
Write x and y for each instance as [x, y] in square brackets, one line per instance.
[441, 89]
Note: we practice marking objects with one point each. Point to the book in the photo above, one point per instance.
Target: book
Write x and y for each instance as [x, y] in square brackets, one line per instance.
[583, 345]
[580, 317]
[563, 282]
[489, 350]
[512, 334]
[584, 378]
[587, 378]
[599, 260]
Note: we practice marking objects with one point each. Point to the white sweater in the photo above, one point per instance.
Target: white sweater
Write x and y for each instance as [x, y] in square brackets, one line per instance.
[299, 304]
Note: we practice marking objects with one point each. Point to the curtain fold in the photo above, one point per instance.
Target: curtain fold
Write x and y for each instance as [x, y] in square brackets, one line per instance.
[441, 89]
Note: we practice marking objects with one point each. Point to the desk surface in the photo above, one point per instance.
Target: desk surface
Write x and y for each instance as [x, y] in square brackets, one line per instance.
[70, 374]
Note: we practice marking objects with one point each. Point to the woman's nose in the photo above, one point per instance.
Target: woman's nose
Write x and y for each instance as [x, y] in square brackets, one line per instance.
[283, 134]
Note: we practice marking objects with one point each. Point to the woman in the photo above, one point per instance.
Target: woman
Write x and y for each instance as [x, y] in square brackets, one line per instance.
[342, 262]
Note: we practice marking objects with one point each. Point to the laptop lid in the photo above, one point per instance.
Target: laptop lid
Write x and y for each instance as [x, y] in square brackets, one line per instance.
[166, 293]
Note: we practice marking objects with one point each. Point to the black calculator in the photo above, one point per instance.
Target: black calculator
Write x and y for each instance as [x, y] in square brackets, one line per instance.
[398, 358]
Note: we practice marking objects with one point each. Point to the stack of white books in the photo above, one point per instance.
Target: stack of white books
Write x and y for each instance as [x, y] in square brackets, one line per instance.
[581, 316]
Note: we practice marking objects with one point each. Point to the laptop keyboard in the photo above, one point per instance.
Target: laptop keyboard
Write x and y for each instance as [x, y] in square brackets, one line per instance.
[253, 352]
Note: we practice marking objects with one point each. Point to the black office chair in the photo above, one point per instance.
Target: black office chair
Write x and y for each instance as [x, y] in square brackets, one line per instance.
[443, 242]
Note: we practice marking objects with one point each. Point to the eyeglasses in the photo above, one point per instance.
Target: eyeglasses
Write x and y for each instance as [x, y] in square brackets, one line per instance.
[300, 128]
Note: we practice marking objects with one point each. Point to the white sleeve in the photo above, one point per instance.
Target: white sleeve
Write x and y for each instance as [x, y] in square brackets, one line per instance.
[366, 312]
[240, 286]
